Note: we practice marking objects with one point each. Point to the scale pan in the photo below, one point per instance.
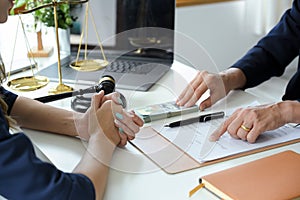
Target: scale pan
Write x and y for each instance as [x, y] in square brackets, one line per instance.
[28, 83]
[141, 42]
[89, 65]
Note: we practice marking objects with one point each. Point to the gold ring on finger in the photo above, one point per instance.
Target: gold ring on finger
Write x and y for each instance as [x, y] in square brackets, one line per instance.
[245, 128]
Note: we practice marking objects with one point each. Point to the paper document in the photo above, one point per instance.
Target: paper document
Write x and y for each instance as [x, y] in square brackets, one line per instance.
[193, 139]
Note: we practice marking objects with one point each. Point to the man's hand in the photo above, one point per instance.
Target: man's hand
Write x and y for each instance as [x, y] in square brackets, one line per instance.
[198, 86]
[248, 123]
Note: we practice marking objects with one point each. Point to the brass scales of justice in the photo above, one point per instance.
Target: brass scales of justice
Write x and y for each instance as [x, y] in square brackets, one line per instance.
[30, 83]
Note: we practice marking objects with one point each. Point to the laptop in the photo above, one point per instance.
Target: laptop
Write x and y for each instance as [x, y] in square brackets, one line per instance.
[138, 41]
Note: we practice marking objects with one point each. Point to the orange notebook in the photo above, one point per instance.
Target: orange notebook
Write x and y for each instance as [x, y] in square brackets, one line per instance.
[275, 177]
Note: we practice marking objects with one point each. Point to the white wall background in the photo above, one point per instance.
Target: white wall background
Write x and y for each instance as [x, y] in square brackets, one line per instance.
[227, 30]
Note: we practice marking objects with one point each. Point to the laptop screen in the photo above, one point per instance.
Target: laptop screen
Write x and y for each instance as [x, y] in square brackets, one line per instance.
[141, 28]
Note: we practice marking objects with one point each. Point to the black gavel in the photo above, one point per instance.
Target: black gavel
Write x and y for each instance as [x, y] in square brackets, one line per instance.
[81, 103]
[106, 83]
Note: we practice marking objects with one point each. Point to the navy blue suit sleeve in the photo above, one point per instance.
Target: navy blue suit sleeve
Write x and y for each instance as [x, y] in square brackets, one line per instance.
[275, 51]
[24, 176]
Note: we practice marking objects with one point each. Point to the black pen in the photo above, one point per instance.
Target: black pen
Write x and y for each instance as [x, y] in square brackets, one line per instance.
[201, 118]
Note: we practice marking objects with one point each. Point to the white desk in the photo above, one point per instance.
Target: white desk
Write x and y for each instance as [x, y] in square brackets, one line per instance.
[133, 175]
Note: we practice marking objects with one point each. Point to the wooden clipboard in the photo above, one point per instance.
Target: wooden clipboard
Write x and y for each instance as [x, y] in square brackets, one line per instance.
[172, 159]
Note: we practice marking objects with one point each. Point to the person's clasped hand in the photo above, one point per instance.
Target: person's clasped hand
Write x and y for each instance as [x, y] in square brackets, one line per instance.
[202, 82]
[248, 123]
[128, 123]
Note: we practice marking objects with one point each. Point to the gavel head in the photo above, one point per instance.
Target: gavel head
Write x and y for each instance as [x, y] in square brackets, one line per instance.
[107, 84]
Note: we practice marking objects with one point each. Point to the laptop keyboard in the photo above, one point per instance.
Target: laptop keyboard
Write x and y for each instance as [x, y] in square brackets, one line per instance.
[126, 66]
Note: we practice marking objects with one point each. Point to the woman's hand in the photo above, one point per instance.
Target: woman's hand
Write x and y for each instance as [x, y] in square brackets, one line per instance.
[128, 123]
[248, 123]
[115, 97]
[102, 141]
[198, 86]
[102, 118]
